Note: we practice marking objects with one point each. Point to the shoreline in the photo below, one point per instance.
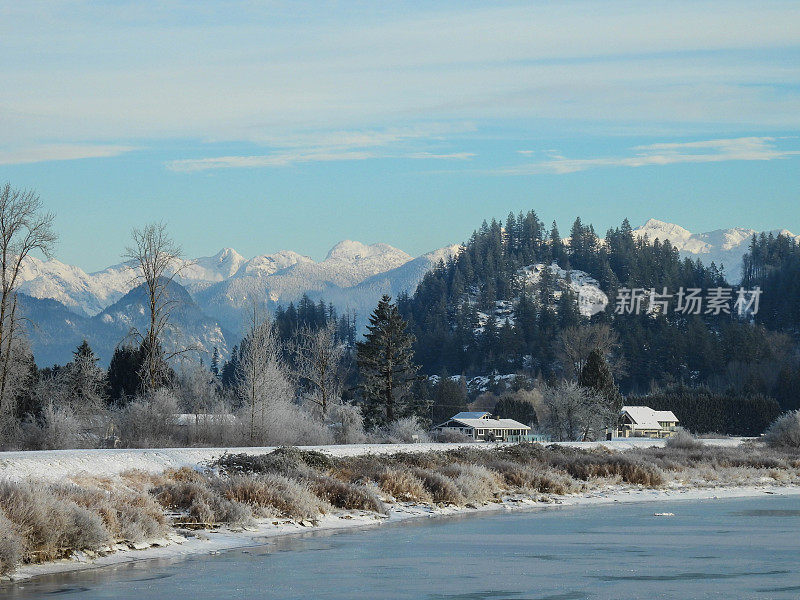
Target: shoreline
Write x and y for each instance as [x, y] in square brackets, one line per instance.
[225, 539]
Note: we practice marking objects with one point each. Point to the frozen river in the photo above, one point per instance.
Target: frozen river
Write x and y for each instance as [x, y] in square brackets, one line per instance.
[734, 548]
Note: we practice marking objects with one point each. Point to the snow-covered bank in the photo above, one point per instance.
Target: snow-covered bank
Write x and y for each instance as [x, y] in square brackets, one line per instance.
[55, 465]
[212, 542]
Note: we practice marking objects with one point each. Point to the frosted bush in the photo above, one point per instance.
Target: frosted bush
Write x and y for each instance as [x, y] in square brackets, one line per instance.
[11, 546]
[406, 431]
[684, 440]
[57, 429]
[476, 483]
[150, 422]
[785, 431]
[348, 424]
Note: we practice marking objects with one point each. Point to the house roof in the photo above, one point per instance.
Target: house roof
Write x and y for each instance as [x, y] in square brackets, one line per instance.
[472, 415]
[647, 418]
[487, 423]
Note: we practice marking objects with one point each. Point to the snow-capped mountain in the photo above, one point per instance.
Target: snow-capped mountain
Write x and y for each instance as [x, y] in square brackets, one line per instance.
[58, 330]
[286, 276]
[69, 303]
[362, 298]
[723, 247]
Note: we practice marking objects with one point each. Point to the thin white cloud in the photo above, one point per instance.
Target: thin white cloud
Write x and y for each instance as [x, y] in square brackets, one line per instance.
[58, 152]
[325, 146]
[706, 151]
[449, 156]
[117, 71]
[283, 159]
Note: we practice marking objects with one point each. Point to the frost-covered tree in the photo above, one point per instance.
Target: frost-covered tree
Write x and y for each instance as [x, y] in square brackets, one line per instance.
[85, 381]
[318, 357]
[574, 413]
[263, 380]
[24, 228]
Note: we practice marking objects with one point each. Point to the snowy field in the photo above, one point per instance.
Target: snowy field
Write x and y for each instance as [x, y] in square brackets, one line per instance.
[54, 465]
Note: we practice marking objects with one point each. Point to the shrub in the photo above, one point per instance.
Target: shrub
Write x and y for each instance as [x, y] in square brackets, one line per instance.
[12, 546]
[403, 485]
[784, 431]
[150, 422]
[442, 489]
[346, 495]
[272, 494]
[406, 431]
[476, 483]
[449, 435]
[684, 440]
[348, 424]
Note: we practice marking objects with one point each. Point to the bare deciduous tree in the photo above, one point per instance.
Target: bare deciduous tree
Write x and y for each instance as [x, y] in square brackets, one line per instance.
[159, 261]
[574, 413]
[24, 228]
[318, 357]
[575, 343]
[263, 379]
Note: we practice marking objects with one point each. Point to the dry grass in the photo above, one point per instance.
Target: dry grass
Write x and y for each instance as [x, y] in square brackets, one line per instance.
[50, 525]
[12, 546]
[41, 521]
[403, 485]
[199, 503]
[273, 495]
[476, 483]
[441, 488]
[348, 496]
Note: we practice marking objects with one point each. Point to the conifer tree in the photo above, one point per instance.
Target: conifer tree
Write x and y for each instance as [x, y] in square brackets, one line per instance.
[386, 366]
[215, 362]
[85, 379]
[596, 375]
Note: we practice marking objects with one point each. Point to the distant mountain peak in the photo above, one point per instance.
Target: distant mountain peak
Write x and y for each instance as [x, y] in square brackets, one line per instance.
[350, 250]
[663, 230]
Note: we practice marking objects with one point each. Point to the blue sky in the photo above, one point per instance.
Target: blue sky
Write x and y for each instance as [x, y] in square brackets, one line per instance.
[272, 125]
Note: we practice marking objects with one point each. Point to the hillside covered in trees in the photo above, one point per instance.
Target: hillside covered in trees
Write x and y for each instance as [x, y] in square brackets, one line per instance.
[476, 314]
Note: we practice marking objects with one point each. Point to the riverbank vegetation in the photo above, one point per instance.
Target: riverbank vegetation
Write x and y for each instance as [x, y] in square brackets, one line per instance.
[45, 521]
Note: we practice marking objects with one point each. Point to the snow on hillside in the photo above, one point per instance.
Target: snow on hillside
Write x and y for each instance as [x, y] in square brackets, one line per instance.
[586, 288]
[723, 247]
[591, 299]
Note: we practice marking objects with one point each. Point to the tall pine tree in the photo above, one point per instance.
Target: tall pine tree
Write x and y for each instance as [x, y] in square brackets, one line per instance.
[386, 366]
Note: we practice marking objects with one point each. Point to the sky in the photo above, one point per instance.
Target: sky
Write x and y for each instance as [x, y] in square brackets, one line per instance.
[289, 125]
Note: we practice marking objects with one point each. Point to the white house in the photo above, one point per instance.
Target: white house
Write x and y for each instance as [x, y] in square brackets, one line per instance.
[643, 421]
[483, 426]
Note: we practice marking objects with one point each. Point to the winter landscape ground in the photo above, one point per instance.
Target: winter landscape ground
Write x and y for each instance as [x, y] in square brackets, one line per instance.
[199, 501]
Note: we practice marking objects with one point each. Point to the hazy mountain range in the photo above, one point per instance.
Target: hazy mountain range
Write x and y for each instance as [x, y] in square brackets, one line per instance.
[723, 247]
[67, 304]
